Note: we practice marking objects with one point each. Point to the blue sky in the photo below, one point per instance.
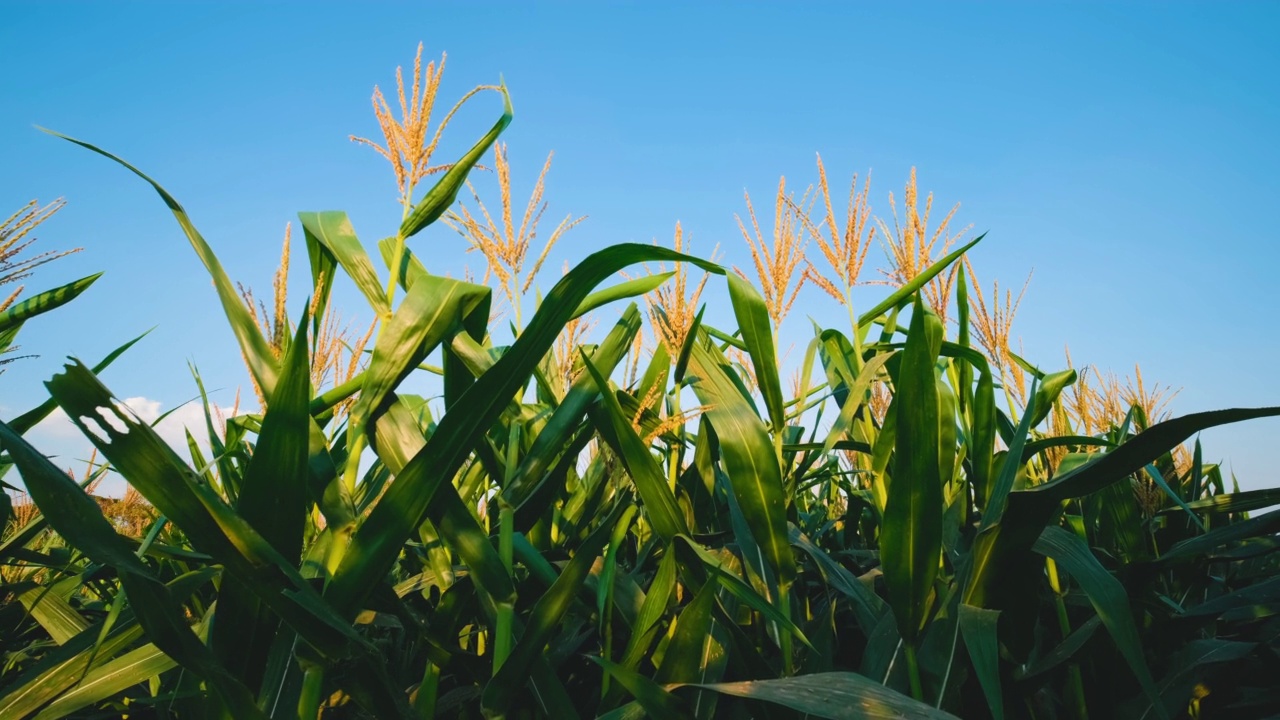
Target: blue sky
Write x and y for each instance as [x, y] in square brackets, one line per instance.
[1126, 152]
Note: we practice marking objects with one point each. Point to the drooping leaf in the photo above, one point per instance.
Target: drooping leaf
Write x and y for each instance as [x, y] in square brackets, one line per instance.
[333, 230]
[1107, 596]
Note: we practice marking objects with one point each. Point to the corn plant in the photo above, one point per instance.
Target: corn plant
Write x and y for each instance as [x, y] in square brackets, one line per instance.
[585, 529]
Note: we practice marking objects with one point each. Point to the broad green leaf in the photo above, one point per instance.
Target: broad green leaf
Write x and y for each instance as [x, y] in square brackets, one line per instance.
[108, 679]
[432, 310]
[1194, 548]
[257, 355]
[14, 316]
[1107, 596]
[832, 695]
[691, 552]
[748, 457]
[1265, 592]
[978, 626]
[1240, 502]
[151, 466]
[78, 519]
[274, 500]
[856, 398]
[547, 613]
[54, 613]
[64, 667]
[656, 701]
[445, 191]
[995, 507]
[1050, 387]
[867, 606]
[757, 334]
[911, 537]
[622, 291]
[682, 661]
[398, 513]
[650, 482]
[397, 438]
[905, 292]
[567, 416]
[656, 599]
[1172, 494]
[1186, 667]
[1139, 451]
[1063, 652]
[333, 230]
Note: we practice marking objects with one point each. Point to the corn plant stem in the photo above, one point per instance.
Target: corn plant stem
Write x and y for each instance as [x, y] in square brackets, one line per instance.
[913, 671]
[1074, 678]
[784, 636]
[424, 703]
[312, 687]
[502, 642]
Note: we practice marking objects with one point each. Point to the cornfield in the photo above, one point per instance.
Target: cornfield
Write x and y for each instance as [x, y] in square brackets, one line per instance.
[603, 521]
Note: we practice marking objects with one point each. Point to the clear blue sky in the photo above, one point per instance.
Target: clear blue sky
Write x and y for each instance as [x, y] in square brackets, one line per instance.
[1126, 152]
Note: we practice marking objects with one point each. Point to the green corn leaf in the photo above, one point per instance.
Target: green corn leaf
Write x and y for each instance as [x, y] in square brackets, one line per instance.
[14, 316]
[1187, 667]
[54, 613]
[567, 417]
[333, 230]
[106, 680]
[655, 701]
[683, 661]
[693, 554]
[397, 439]
[911, 537]
[622, 291]
[274, 500]
[431, 311]
[1063, 652]
[1033, 447]
[690, 339]
[748, 456]
[982, 438]
[757, 334]
[995, 507]
[257, 355]
[1138, 452]
[1051, 386]
[978, 627]
[856, 396]
[867, 606]
[1174, 496]
[396, 516]
[833, 695]
[1107, 596]
[659, 502]
[273, 496]
[1240, 502]
[78, 519]
[31, 418]
[151, 466]
[547, 613]
[904, 293]
[63, 668]
[445, 191]
[659, 594]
